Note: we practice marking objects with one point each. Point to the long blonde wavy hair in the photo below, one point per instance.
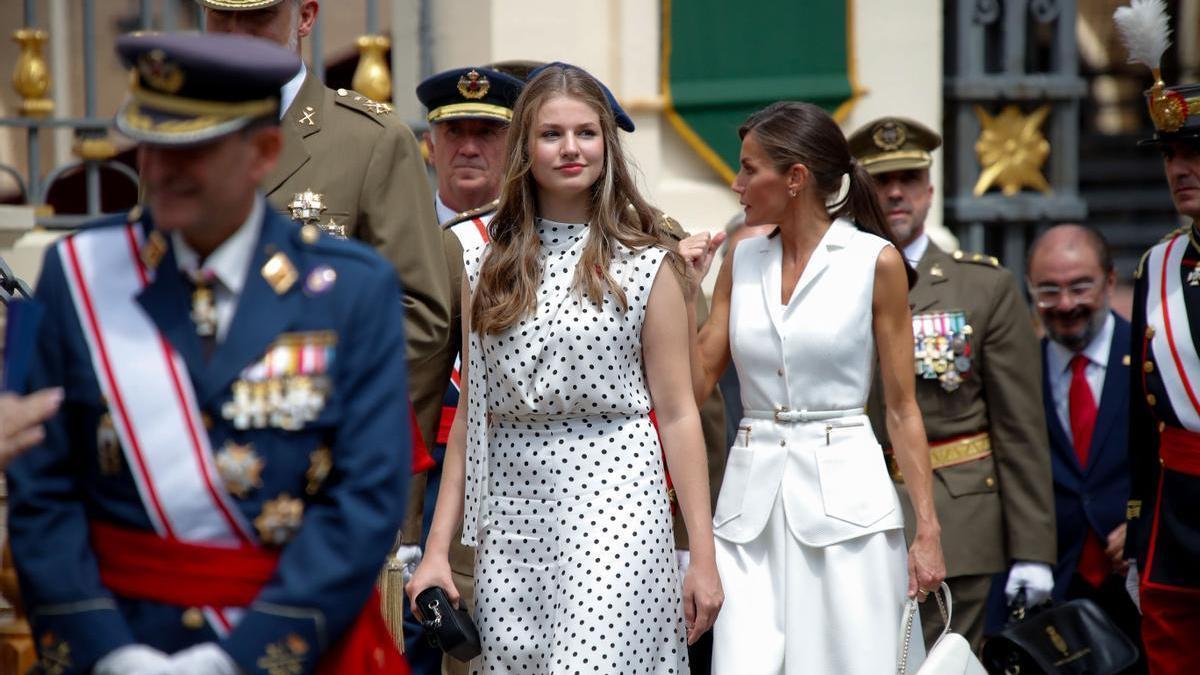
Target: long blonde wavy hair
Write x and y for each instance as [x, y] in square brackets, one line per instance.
[511, 272]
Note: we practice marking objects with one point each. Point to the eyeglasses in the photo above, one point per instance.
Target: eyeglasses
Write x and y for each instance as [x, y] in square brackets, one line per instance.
[1047, 295]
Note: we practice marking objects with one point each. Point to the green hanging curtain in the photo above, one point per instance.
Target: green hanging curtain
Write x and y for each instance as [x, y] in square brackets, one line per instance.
[724, 60]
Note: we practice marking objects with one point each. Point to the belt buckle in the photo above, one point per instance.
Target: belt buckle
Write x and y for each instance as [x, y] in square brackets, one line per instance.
[780, 410]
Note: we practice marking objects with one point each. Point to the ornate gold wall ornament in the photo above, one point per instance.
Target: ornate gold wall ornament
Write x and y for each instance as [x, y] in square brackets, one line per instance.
[1012, 150]
[371, 77]
[31, 76]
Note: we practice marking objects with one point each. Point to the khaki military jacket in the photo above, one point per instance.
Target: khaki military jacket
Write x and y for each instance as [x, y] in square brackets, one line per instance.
[367, 166]
[712, 413]
[1000, 508]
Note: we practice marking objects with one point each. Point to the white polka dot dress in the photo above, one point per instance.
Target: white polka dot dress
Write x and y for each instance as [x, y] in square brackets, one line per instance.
[574, 563]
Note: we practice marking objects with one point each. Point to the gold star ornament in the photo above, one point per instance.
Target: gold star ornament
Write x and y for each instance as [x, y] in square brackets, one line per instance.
[1012, 150]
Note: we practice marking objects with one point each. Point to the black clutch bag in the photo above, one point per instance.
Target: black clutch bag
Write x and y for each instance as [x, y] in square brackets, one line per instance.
[450, 630]
[1070, 638]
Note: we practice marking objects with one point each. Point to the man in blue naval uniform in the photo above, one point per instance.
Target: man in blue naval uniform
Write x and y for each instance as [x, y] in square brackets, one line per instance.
[279, 351]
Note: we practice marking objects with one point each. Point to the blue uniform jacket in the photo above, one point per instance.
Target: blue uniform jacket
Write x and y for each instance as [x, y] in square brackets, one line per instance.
[329, 566]
[1163, 532]
[1093, 497]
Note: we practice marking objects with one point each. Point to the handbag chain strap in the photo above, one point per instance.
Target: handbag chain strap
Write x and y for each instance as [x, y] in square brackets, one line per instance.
[910, 614]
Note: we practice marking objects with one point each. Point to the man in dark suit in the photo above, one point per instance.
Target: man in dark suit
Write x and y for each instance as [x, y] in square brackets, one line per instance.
[1085, 383]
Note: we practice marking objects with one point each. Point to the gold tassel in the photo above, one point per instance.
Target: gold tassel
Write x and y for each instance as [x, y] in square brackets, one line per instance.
[391, 599]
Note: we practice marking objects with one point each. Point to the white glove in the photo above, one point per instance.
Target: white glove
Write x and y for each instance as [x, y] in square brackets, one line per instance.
[409, 557]
[133, 660]
[201, 659]
[683, 558]
[1036, 578]
[1131, 585]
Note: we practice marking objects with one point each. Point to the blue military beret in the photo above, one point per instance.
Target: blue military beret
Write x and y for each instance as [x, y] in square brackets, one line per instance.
[191, 88]
[469, 93]
[624, 121]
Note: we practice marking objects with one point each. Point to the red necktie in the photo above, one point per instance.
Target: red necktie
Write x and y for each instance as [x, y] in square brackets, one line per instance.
[1093, 563]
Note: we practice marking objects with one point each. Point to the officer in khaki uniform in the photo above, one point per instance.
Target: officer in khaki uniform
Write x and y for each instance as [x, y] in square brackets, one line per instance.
[351, 162]
[979, 390]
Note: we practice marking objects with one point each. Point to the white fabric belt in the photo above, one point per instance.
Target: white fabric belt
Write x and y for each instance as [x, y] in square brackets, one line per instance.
[791, 416]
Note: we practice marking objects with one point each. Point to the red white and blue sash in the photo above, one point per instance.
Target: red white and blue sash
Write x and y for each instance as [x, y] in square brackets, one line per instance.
[471, 234]
[151, 398]
[1172, 345]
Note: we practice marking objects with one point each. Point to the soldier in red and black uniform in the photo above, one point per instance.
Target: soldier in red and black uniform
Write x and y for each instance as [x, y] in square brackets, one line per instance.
[1163, 532]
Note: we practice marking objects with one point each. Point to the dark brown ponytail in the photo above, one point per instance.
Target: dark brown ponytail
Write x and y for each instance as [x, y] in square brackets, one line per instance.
[792, 132]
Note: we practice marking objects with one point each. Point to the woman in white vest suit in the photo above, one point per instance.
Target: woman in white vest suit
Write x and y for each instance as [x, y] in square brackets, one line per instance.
[810, 539]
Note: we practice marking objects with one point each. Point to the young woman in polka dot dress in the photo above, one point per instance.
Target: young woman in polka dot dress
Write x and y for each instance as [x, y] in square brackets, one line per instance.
[810, 530]
[574, 329]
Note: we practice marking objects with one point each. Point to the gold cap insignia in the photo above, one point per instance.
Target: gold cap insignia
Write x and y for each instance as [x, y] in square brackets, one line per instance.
[890, 136]
[161, 74]
[1168, 109]
[280, 273]
[473, 85]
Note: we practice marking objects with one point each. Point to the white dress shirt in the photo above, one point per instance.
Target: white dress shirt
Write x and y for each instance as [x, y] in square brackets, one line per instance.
[229, 264]
[288, 94]
[1058, 367]
[915, 250]
[444, 213]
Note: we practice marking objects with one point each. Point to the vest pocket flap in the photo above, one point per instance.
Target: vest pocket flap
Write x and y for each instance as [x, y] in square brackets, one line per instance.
[733, 486]
[855, 486]
[977, 476]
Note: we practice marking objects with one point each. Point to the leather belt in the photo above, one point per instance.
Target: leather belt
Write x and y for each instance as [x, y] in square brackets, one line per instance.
[786, 416]
[951, 452]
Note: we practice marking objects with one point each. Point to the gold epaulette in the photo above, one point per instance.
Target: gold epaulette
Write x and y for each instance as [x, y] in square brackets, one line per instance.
[356, 101]
[472, 213]
[671, 226]
[1137, 274]
[977, 258]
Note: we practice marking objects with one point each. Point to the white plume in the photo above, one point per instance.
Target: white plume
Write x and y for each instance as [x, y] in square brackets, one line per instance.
[1144, 30]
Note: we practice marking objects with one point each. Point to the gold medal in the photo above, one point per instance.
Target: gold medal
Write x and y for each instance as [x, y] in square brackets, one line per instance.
[204, 310]
[280, 520]
[320, 464]
[108, 447]
[237, 409]
[1193, 277]
[240, 468]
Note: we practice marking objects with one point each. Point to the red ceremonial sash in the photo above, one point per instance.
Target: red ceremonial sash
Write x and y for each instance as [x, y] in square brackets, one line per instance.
[144, 566]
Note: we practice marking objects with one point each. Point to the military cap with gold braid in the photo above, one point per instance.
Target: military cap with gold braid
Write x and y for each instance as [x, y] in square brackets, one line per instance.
[1175, 111]
[894, 144]
[469, 93]
[188, 88]
[237, 5]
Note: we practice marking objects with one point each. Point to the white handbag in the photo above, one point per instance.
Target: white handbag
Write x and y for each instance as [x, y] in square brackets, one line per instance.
[950, 655]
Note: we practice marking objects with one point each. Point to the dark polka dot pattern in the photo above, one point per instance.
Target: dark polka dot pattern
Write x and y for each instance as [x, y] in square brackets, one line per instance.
[575, 565]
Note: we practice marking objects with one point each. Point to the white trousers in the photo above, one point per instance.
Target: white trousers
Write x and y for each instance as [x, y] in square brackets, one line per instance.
[792, 609]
